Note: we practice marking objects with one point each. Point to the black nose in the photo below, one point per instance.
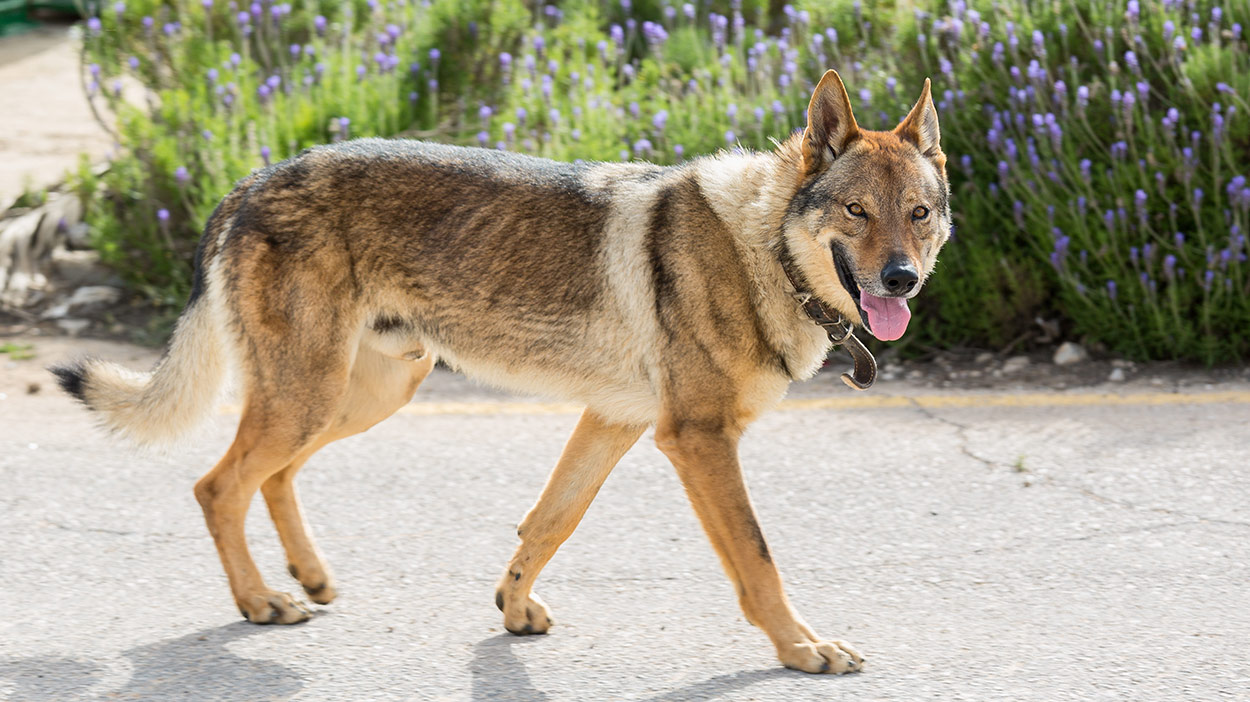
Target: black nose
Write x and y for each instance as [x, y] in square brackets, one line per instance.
[899, 277]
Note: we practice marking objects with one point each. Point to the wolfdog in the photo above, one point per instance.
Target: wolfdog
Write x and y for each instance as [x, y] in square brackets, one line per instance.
[669, 297]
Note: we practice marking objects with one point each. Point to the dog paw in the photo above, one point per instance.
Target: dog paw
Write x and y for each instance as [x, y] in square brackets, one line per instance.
[319, 585]
[835, 657]
[524, 617]
[271, 607]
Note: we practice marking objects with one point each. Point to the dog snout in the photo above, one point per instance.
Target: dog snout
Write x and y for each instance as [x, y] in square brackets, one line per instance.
[899, 277]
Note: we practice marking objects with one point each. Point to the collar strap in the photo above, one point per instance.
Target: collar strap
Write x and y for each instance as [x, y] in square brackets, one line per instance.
[841, 332]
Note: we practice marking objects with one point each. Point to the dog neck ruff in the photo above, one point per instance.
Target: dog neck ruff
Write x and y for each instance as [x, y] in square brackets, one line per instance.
[841, 332]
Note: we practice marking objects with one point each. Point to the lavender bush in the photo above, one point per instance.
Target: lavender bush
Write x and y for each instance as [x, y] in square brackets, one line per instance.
[1101, 154]
[1043, 137]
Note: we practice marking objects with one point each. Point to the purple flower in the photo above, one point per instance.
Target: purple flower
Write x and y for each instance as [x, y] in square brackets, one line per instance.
[660, 120]
[642, 146]
[730, 137]
[435, 54]
[1111, 289]
[483, 138]
[1179, 239]
[163, 215]
[505, 60]
[679, 151]
[1169, 266]
[319, 23]
[181, 176]
[93, 25]
[264, 154]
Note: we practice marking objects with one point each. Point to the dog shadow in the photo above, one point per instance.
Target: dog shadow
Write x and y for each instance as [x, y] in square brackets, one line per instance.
[497, 674]
[196, 666]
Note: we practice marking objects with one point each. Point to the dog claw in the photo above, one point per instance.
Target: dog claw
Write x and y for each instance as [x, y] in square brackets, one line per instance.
[274, 608]
[533, 619]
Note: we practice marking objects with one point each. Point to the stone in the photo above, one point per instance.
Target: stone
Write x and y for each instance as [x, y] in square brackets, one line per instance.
[89, 295]
[74, 268]
[1117, 375]
[1070, 352]
[73, 327]
[1015, 364]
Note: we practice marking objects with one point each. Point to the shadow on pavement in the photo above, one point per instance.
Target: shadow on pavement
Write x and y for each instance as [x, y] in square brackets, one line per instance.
[196, 666]
[719, 685]
[46, 678]
[499, 674]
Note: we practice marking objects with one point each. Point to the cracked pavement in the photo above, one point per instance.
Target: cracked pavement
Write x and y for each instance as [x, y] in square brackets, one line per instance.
[971, 551]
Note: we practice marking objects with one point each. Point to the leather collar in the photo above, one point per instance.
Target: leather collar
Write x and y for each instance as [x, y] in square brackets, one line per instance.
[841, 332]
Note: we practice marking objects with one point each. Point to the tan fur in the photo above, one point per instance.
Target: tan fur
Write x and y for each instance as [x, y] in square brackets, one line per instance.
[656, 296]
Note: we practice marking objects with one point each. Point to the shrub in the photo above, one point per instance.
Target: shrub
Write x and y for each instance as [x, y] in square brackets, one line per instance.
[1099, 153]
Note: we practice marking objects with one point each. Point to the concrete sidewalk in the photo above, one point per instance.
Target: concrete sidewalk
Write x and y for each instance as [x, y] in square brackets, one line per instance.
[1079, 545]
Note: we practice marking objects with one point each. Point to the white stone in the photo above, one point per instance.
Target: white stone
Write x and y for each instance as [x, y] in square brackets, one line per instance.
[1070, 352]
[73, 327]
[1117, 375]
[1015, 364]
[94, 295]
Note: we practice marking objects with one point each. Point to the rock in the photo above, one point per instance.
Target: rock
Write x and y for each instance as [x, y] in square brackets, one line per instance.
[73, 327]
[1068, 353]
[89, 295]
[1015, 364]
[1117, 375]
[56, 311]
[78, 268]
[19, 271]
[984, 357]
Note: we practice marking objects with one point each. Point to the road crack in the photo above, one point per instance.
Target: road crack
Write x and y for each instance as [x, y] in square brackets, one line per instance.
[961, 432]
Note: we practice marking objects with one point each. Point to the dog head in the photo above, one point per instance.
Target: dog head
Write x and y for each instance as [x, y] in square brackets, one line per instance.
[871, 210]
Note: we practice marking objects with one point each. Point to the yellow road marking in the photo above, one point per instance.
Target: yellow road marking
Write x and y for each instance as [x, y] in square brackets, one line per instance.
[935, 401]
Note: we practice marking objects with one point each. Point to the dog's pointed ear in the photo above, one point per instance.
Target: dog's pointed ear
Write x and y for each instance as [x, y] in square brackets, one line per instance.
[920, 126]
[830, 124]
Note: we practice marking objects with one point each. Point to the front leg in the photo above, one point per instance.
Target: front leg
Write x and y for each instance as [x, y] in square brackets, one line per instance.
[591, 453]
[705, 454]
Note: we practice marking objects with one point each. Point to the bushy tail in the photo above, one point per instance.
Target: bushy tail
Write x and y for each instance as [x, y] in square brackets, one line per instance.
[158, 406]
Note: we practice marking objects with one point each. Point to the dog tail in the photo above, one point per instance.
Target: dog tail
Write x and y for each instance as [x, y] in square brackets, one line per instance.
[158, 406]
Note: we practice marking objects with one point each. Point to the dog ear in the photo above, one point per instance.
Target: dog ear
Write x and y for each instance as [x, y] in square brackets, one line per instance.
[920, 126]
[830, 124]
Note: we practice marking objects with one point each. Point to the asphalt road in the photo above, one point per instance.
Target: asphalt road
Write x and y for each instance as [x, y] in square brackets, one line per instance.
[981, 546]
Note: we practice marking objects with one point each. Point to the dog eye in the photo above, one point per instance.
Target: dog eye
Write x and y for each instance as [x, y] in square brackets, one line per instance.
[855, 209]
[920, 212]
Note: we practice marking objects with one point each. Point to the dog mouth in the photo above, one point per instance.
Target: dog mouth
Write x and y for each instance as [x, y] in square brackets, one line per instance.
[885, 318]
[848, 283]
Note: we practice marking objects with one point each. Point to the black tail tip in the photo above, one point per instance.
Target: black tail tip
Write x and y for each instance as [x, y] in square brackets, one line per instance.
[72, 377]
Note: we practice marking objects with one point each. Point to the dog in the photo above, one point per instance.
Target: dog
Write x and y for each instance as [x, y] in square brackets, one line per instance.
[666, 297]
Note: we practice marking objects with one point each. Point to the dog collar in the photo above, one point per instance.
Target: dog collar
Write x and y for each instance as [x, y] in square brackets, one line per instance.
[841, 331]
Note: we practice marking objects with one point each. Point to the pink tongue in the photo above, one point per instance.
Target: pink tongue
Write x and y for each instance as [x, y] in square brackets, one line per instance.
[888, 316]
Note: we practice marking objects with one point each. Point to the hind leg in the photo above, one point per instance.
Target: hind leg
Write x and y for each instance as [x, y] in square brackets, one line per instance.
[378, 387]
[259, 450]
[292, 397]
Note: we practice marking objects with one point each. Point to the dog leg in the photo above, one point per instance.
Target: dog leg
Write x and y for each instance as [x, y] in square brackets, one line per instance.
[225, 494]
[705, 454]
[589, 456]
[378, 387]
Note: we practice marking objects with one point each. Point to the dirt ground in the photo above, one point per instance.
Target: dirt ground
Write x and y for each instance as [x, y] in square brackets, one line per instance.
[45, 122]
